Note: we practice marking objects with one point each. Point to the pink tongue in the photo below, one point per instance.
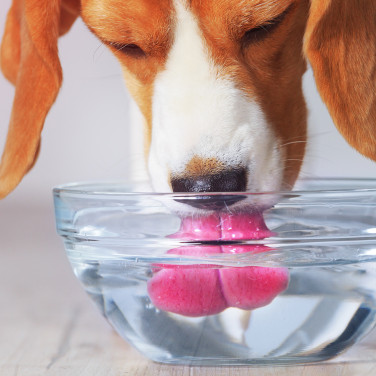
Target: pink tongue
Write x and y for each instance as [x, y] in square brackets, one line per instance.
[224, 227]
[197, 290]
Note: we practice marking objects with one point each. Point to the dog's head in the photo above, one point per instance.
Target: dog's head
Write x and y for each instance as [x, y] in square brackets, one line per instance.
[218, 82]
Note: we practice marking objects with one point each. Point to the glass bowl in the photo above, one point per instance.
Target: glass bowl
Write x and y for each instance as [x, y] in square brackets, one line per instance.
[234, 278]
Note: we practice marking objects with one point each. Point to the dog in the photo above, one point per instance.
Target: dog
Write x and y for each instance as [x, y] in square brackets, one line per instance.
[218, 82]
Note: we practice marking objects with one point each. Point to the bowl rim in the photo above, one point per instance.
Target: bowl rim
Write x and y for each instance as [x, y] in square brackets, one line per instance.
[97, 188]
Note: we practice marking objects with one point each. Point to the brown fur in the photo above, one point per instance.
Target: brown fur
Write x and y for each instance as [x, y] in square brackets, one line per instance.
[339, 40]
[29, 59]
[341, 46]
[203, 166]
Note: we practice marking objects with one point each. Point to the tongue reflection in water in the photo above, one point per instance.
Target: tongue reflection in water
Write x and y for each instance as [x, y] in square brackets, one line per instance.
[201, 290]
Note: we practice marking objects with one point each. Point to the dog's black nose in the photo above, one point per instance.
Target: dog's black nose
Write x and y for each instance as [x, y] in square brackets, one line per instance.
[234, 180]
[224, 181]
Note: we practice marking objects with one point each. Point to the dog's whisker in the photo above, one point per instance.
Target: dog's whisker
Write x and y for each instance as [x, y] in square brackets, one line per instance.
[298, 137]
[293, 142]
[95, 54]
[289, 186]
[319, 134]
[294, 160]
[227, 208]
[311, 155]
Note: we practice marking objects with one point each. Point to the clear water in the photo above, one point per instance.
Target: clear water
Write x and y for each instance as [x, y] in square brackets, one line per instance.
[326, 239]
[324, 310]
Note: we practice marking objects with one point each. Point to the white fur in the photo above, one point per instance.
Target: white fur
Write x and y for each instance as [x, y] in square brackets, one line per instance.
[199, 112]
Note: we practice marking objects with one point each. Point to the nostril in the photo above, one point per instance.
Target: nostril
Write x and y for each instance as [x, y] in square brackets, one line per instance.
[234, 180]
[230, 181]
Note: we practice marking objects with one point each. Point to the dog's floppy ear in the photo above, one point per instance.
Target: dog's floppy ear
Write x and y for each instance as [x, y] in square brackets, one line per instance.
[340, 43]
[29, 59]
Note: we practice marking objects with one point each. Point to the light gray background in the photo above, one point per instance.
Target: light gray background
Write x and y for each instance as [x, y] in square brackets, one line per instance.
[87, 133]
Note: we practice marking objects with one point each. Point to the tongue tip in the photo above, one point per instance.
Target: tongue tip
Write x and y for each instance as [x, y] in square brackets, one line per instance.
[224, 226]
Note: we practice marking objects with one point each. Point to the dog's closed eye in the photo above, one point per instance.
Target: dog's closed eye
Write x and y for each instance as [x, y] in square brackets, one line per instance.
[130, 49]
[260, 32]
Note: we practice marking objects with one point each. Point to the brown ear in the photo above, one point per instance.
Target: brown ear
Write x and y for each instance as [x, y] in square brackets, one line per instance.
[340, 43]
[29, 59]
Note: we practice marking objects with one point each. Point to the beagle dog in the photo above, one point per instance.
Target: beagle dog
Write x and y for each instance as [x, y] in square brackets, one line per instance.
[218, 82]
